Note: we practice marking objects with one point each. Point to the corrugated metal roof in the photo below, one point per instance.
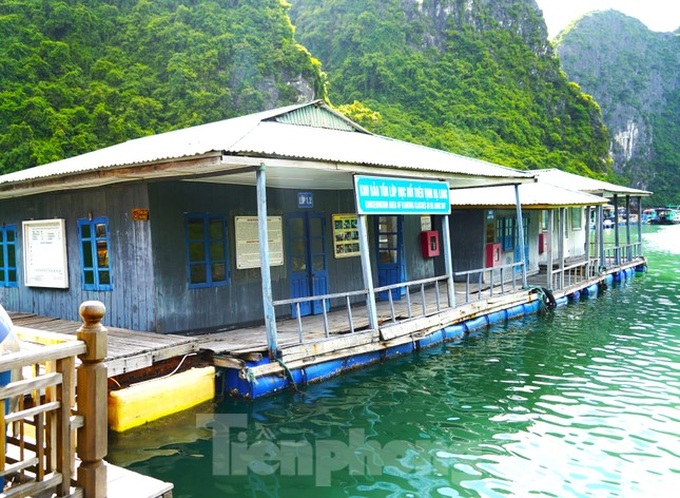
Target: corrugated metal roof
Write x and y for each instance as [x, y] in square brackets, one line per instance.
[583, 184]
[280, 140]
[313, 116]
[536, 195]
[260, 135]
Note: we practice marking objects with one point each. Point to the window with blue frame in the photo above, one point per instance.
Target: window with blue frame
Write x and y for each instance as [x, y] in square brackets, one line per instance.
[505, 233]
[207, 263]
[95, 254]
[8, 256]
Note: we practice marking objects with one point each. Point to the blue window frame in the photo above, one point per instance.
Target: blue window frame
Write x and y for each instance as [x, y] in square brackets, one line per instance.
[95, 254]
[505, 233]
[207, 263]
[8, 256]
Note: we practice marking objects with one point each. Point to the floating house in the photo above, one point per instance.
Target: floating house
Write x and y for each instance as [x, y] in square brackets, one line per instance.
[555, 227]
[604, 254]
[292, 244]
[167, 230]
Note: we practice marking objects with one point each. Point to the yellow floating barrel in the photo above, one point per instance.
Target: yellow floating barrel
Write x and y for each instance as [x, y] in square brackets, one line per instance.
[153, 399]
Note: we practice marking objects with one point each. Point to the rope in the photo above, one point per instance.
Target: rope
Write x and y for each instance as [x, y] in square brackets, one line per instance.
[290, 375]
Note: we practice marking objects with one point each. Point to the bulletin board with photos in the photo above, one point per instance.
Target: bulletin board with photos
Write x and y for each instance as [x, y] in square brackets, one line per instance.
[345, 236]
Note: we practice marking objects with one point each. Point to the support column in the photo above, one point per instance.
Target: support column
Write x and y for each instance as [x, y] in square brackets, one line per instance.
[629, 249]
[639, 225]
[587, 229]
[366, 270]
[265, 269]
[560, 247]
[448, 260]
[551, 235]
[617, 242]
[600, 231]
[520, 236]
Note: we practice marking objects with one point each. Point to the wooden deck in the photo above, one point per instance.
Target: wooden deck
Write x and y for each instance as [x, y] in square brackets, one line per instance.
[128, 350]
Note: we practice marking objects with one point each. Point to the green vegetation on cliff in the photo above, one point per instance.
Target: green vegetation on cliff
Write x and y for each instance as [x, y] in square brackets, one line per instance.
[481, 81]
[79, 75]
[478, 78]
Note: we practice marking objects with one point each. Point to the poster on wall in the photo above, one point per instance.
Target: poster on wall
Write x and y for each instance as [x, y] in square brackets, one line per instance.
[248, 241]
[345, 236]
[45, 258]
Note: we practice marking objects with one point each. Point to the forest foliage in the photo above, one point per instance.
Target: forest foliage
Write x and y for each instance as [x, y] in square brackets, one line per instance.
[77, 75]
[469, 84]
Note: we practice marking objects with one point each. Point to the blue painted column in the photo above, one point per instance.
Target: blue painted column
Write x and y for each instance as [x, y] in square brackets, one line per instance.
[448, 260]
[520, 236]
[366, 270]
[267, 299]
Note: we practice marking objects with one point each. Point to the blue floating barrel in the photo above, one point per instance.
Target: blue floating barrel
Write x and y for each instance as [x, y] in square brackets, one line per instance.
[561, 301]
[515, 311]
[531, 308]
[432, 339]
[591, 290]
[476, 323]
[575, 296]
[454, 332]
[497, 317]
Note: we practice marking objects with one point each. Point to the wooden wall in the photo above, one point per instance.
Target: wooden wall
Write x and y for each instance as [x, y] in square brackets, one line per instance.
[130, 303]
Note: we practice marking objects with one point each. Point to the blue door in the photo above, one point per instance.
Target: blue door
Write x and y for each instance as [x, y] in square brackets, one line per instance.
[390, 244]
[307, 260]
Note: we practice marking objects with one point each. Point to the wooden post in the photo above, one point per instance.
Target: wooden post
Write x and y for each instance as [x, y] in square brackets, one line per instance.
[600, 237]
[551, 229]
[92, 401]
[367, 272]
[265, 270]
[617, 236]
[520, 237]
[560, 247]
[639, 225]
[587, 244]
[629, 249]
[448, 260]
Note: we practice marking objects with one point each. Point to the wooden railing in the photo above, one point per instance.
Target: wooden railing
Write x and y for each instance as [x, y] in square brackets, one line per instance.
[55, 415]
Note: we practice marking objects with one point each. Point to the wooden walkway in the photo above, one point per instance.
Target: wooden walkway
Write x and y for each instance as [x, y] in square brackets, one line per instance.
[128, 350]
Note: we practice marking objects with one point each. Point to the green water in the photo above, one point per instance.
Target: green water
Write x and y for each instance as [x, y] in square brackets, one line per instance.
[583, 402]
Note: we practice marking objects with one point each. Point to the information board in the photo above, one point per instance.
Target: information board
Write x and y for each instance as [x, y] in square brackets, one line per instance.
[388, 195]
[345, 236]
[248, 241]
[45, 258]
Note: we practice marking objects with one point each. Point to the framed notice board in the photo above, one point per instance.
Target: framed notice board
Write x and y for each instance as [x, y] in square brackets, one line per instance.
[345, 236]
[248, 241]
[45, 259]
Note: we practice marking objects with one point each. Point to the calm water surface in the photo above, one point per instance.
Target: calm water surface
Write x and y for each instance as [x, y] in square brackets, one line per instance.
[582, 402]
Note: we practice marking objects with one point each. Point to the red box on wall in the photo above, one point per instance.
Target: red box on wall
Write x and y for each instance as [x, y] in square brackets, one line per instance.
[429, 243]
[492, 255]
[542, 243]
